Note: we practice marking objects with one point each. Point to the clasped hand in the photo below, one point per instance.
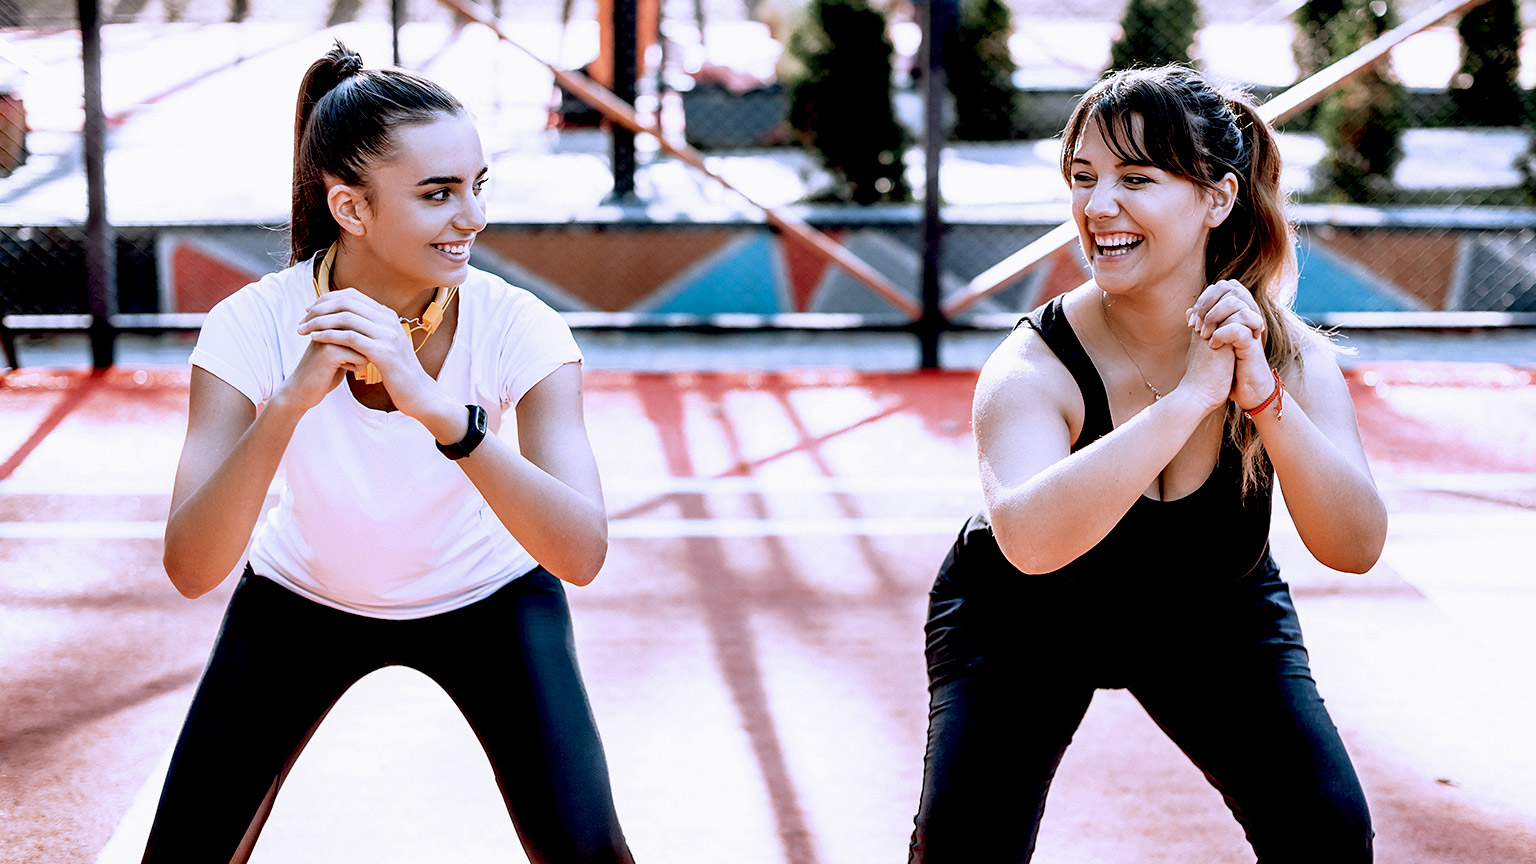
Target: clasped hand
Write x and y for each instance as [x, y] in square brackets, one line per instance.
[1225, 316]
[347, 331]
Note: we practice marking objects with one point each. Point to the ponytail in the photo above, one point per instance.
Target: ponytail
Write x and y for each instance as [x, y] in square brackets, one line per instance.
[1256, 245]
[311, 227]
[344, 123]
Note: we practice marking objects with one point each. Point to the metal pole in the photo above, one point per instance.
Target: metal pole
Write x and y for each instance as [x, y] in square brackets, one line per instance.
[625, 20]
[936, 21]
[396, 12]
[100, 241]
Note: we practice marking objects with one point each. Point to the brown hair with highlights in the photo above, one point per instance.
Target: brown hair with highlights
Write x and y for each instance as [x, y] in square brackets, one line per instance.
[1171, 117]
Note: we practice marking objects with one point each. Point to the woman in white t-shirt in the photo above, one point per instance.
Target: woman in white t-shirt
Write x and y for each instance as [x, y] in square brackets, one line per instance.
[439, 484]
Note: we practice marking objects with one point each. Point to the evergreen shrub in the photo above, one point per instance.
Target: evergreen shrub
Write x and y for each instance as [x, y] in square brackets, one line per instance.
[1486, 91]
[841, 102]
[988, 107]
[1362, 121]
[1156, 33]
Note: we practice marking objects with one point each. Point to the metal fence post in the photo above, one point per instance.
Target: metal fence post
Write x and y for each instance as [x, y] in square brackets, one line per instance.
[625, 20]
[937, 19]
[396, 16]
[100, 240]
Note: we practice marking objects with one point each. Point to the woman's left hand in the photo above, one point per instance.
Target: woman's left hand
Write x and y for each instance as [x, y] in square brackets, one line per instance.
[1226, 314]
[353, 319]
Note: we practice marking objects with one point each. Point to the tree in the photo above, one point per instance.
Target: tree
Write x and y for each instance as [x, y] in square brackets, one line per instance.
[980, 68]
[1362, 120]
[841, 105]
[1156, 33]
[1313, 46]
[1486, 90]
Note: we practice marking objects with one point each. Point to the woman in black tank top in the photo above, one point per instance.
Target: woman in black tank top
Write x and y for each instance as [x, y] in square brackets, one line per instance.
[1129, 433]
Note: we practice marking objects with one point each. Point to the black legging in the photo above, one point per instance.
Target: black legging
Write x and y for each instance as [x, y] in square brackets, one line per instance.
[1012, 675]
[281, 662]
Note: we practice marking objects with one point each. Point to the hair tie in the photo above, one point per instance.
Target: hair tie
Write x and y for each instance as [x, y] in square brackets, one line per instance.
[348, 65]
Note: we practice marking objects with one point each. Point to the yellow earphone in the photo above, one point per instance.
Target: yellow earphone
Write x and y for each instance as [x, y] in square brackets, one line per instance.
[428, 322]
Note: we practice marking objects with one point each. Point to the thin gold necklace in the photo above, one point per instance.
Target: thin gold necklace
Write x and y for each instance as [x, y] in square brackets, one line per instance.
[1104, 310]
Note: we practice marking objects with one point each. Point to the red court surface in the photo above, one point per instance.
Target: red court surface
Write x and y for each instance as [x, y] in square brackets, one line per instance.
[753, 647]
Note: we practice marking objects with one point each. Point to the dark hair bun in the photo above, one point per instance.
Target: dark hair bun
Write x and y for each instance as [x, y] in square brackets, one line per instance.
[346, 62]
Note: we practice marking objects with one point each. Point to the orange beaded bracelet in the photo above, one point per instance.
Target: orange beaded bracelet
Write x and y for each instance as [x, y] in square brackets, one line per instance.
[1277, 397]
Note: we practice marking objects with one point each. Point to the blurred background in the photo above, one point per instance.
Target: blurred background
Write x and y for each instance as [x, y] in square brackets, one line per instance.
[1412, 181]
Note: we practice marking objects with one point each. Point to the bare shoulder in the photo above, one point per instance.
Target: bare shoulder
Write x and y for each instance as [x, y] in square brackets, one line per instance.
[1022, 360]
[1024, 376]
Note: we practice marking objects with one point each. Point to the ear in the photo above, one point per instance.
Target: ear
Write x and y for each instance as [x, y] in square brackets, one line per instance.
[349, 207]
[1221, 200]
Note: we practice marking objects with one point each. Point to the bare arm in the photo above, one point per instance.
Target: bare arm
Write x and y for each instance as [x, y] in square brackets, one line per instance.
[1321, 466]
[1315, 446]
[227, 464]
[1049, 505]
[548, 495]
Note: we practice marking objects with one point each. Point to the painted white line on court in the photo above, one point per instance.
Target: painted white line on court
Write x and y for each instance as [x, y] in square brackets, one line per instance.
[118, 530]
[1386, 478]
[649, 529]
[1504, 482]
[126, 846]
[746, 485]
[662, 528]
[619, 484]
[643, 529]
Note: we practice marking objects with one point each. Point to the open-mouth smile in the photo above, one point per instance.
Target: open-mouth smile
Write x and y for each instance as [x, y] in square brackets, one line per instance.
[1114, 245]
[454, 249]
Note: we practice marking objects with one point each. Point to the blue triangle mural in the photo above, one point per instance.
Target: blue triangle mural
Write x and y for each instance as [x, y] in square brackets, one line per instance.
[1332, 283]
[743, 277]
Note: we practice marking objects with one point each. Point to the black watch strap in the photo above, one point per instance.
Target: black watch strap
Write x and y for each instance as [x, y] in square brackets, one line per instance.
[472, 437]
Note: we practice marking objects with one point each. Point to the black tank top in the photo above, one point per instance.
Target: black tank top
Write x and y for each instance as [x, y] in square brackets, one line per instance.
[1213, 536]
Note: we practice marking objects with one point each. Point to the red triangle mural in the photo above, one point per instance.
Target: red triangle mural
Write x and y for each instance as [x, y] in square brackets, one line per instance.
[805, 269]
[611, 270]
[199, 280]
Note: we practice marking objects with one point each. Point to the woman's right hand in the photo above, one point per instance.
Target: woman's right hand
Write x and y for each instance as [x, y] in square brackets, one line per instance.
[1208, 372]
[320, 369]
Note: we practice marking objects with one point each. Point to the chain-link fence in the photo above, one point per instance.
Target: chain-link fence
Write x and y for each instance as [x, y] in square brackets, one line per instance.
[1412, 183]
[1440, 140]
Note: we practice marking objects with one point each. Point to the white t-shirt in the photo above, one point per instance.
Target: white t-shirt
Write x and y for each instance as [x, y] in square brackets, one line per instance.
[371, 517]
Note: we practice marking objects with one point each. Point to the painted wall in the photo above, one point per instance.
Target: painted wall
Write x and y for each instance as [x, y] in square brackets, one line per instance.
[710, 269]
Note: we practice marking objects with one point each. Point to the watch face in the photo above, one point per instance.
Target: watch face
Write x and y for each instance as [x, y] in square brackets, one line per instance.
[479, 420]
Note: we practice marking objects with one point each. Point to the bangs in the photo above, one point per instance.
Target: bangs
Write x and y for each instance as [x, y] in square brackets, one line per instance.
[1125, 109]
[1125, 133]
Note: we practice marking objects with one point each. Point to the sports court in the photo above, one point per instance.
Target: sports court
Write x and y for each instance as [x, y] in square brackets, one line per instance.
[753, 645]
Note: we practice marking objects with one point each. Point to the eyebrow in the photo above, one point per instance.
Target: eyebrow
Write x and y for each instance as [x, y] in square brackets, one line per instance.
[1131, 163]
[446, 180]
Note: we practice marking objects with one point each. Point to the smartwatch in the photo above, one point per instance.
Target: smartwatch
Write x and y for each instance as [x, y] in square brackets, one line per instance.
[472, 437]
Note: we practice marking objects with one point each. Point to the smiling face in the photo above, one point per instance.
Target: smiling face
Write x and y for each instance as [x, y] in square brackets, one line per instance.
[1140, 226]
[424, 207]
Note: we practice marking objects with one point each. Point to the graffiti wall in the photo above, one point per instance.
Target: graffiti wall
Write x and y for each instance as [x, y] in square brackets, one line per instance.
[744, 268]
